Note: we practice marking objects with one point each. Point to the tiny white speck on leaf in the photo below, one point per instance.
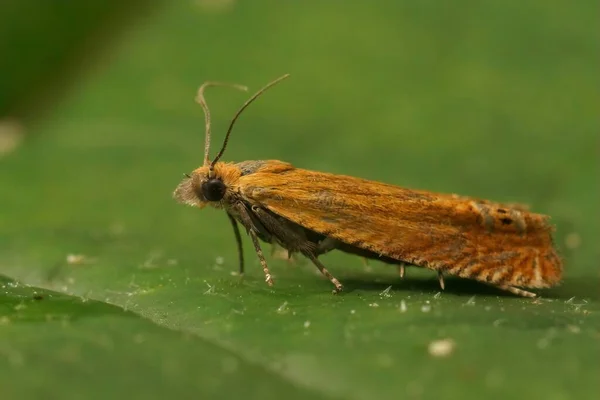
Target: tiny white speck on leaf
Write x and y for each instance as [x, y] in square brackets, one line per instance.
[219, 260]
[211, 288]
[441, 348]
[352, 311]
[386, 292]
[425, 308]
[75, 259]
[374, 305]
[437, 295]
[283, 308]
[577, 307]
[402, 306]
[470, 302]
[306, 324]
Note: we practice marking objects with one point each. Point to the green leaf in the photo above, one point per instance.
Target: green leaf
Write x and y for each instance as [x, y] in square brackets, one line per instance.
[111, 289]
[59, 345]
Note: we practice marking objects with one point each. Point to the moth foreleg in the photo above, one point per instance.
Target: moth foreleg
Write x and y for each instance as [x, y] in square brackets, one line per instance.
[251, 225]
[338, 286]
[238, 239]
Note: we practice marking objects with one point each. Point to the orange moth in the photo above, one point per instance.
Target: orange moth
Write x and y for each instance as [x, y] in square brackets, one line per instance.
[312, 213]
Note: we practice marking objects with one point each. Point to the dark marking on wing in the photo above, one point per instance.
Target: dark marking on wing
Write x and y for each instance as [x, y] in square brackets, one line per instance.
[250, 167]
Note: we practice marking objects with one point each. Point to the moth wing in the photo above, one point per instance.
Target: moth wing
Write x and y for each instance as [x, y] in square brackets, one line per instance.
[385, 219]
[459, 235]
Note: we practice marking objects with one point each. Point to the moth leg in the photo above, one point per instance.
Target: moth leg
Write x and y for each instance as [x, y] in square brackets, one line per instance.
[441, 280]
[517, 291]
[254, 228]
[238, 239]
[338, 286]
[401, 270]
[261, 257]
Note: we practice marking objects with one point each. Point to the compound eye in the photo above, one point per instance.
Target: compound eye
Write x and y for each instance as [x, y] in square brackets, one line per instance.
[213, 189]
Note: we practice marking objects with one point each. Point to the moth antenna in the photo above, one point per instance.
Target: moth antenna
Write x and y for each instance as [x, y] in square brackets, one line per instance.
[239, 112]
[202, 101]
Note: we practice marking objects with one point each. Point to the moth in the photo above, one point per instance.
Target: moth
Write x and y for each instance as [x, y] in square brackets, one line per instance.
[312, 213]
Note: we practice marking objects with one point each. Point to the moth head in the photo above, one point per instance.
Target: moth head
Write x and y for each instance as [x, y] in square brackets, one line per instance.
[203, 187]
[210, 184]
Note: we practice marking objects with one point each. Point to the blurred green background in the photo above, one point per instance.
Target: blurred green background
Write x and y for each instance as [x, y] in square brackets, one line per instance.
[108, 288]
